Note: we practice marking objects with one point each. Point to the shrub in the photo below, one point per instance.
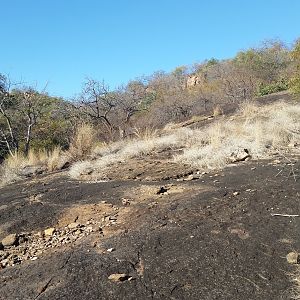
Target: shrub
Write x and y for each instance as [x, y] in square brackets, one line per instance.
[266, 89]
[83, 142]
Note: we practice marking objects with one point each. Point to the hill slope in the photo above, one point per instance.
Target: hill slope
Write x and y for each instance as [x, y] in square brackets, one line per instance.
[154, 230]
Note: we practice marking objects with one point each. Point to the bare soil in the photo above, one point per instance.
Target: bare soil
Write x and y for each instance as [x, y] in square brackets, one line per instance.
[213, 237]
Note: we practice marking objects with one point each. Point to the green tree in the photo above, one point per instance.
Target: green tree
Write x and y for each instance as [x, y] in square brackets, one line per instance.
[295, 80]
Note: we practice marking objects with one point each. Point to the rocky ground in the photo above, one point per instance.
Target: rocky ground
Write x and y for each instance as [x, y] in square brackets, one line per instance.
[163, 233]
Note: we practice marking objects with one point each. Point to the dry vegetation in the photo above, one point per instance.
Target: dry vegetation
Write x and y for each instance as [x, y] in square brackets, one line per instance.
[81, 146]
[261, 130]
[11, 170]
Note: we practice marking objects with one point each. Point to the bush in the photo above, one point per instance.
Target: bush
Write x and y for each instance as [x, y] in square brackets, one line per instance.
[83, 141]
[295, 85]
[266, 89]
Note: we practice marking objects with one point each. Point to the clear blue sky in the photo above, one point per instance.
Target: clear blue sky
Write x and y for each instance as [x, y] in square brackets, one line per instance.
[63, 41]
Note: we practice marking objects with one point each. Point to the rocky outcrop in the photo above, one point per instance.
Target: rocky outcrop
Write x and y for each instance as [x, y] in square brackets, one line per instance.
[193, 80]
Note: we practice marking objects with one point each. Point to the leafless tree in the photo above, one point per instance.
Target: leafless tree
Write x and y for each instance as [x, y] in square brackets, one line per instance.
[8, 136]
[97, 101]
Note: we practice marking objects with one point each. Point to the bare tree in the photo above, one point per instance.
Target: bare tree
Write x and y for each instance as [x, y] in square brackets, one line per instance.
[8, 136]
[97, 101]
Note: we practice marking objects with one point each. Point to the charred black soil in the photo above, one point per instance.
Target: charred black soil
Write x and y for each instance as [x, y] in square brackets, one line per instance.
[212, 236]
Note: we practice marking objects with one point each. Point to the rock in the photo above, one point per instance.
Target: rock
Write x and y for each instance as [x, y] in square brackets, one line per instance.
[1, 246]
[49, 231]
[10, 240]
[4, 262]
[90, 229]
[235, 193]
[239, 155]
[110, 249]
[30, 171]
[161, 190]
[241, 233]
[292, 145]
[293, 258]
[87, 171]
[189, 178]
[193, 80]
[73, 225]
[63, 163]
[119, 277]
[4, 254]
[38, 234]
[125, 201]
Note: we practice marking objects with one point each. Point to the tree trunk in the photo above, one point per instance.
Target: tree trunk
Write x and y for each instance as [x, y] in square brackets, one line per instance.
[28, 139]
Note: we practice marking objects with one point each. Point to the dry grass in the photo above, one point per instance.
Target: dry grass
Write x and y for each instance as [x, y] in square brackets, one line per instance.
[13, 165]
[261, 130]
[83, 142]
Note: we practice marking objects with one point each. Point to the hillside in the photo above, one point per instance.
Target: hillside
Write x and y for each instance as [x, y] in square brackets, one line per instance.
[202, 209]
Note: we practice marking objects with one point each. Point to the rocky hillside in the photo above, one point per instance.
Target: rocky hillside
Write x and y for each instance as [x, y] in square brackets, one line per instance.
[153, 226]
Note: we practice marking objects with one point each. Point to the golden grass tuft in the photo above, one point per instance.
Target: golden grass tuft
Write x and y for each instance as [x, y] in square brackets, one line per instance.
[83, 142]
[12, 166]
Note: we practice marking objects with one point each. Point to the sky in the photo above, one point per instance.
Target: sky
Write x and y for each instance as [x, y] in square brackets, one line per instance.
[59, 43]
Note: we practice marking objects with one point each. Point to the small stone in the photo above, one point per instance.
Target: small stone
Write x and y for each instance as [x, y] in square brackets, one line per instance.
[33, 258]
[49, 231]
[119, 277]
[90, 229]
[292, 145]
[77, 232]
[236, 193]
[253, 168]
[110, 249]
[293, 258]
[125, 202]
[189, 178]
[103, 202]
[73, 225]
[10, 240]
[4, 262]
[39, 234]
[161, 190]
[4, 254]
[239, 155]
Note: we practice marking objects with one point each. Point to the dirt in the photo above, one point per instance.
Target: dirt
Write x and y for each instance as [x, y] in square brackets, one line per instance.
[173, 236]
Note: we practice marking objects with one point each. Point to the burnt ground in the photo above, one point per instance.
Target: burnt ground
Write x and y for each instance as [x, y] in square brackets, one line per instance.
[193, 239]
